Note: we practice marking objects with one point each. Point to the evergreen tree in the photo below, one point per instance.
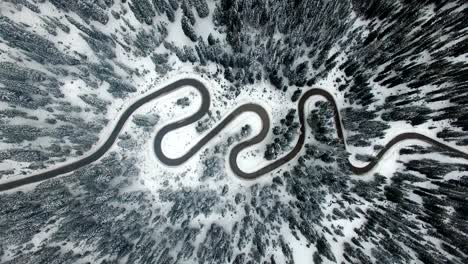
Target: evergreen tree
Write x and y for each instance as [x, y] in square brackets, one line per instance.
[188, 29]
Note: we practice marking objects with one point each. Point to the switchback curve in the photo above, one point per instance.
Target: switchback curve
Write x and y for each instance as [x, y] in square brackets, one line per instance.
[204, 108]
[205, 105]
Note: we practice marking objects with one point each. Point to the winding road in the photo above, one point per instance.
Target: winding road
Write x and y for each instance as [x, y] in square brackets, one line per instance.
[204, 108]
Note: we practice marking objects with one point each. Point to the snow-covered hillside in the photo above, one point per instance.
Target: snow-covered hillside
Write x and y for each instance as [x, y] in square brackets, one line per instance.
[69, 70]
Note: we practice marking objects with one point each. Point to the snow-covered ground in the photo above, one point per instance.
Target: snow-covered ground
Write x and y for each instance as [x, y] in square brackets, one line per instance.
[236, 199]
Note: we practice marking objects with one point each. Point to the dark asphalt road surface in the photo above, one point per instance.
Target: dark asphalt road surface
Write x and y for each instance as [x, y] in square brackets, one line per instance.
[204, 108]
[118, 127]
